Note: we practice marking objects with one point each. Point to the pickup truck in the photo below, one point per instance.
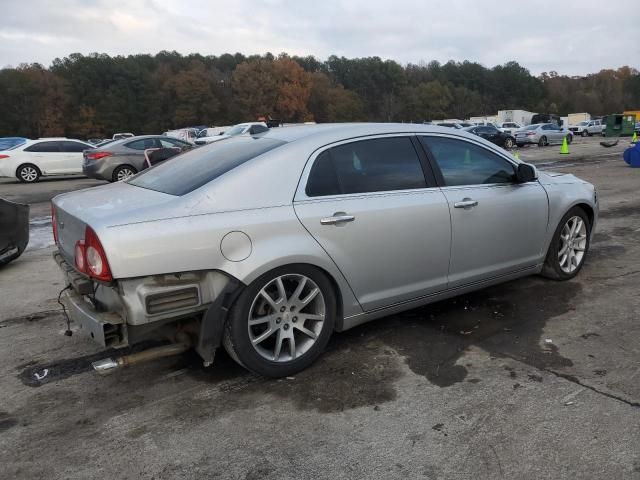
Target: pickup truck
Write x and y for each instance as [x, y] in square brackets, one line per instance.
[587, 128]
[510, 128]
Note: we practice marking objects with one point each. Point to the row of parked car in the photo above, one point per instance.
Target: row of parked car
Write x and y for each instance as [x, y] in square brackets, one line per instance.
[509, 134]
[112, 160]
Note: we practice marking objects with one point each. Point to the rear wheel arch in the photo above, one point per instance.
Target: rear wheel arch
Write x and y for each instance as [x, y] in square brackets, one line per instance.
[119, 168]
[27, 164]
[242, 347]
[330, 277]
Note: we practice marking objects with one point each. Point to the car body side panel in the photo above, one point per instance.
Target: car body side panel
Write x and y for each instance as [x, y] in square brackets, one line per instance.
[564, 192]
[396, 248]
[504, 232]
[193, 243]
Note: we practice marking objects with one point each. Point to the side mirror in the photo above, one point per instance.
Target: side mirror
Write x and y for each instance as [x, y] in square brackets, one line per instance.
[526, 173]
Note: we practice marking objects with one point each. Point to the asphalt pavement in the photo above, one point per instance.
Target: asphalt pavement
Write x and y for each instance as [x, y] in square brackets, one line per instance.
[530, 379]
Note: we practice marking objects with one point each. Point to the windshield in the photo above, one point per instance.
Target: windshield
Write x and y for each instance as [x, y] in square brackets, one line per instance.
[184, 173]
[584, 124]
[237, 130]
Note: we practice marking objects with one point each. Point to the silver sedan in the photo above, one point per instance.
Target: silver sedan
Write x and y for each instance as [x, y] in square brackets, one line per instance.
[542, 134]
[268, 244]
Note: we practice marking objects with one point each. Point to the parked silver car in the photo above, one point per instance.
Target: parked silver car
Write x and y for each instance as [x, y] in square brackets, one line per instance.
[542, 134]
[268, 244]
[119, 159]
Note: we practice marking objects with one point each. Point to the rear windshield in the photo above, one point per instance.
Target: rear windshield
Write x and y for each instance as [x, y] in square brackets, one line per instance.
[185, 173]
[532, 127]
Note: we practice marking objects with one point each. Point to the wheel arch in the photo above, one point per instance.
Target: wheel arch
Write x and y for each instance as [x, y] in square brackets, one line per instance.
[121, 166]
[216, 316]
[28, 164]
[338, 284]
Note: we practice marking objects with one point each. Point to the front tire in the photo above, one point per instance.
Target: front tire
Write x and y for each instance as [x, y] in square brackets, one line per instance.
[585, 133]
[569, 246]
[28, 173]
[282, 321]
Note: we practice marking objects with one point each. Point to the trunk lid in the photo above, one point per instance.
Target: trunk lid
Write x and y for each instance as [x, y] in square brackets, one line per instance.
[102, 206]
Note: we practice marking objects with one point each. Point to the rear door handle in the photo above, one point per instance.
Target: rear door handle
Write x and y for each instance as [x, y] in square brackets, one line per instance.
[466, 203]
[337, 218]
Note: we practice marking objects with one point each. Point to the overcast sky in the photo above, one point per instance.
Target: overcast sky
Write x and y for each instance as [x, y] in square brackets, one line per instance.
[570, 37]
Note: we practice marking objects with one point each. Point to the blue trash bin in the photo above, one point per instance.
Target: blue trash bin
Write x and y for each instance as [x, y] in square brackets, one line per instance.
[632, 156]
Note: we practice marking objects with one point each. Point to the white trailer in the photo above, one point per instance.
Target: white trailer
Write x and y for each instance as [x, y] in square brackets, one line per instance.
[522, 117]
[576, 118]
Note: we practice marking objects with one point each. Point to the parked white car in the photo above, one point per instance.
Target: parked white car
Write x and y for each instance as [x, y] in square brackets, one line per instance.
[43, 157]
[188, 135]
[239, 129]
[587, 128]
[120, 136]
[510, 128]
[214, 131]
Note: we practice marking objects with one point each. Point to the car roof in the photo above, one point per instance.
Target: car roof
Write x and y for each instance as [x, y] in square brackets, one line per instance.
[123, 141]
[326, 133]
[53, 139]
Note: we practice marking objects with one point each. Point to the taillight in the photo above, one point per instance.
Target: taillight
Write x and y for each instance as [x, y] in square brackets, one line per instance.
[531, 133]
[3, 156]
[54, 224]
[95, 260]
[97, 155]
[80, 254]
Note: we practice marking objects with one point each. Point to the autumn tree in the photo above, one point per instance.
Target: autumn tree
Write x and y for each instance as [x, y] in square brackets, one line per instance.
[279, 88]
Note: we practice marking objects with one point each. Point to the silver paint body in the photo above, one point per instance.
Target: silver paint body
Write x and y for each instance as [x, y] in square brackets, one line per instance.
[550, 131]
[403, 248]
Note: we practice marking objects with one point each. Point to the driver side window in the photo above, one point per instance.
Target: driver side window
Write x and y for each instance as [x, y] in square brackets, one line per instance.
[465, 163]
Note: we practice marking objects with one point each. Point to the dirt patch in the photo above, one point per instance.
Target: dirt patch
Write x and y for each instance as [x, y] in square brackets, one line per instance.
[38, 374]
[621, 210]
[505, 320]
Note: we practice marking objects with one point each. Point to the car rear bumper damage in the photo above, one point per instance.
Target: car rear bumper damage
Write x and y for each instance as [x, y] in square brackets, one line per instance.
[130, 311]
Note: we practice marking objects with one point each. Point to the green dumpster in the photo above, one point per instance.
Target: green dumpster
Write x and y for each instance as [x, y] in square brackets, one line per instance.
[618, 125]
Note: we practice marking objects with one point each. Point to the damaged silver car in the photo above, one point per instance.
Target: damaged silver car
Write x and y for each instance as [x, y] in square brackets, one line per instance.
[268, 244]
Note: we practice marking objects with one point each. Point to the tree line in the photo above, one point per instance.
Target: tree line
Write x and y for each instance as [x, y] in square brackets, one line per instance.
[96, 95]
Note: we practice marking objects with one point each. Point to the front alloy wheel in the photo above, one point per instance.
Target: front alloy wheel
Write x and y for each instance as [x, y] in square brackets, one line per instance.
[282, 321]
[569, 246]
[573, 244]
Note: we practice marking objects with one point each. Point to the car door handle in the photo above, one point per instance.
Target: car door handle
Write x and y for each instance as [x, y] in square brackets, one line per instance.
[337, 218]
[466, 203]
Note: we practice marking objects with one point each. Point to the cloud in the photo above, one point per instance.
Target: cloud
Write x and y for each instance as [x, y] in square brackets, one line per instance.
[572, 37]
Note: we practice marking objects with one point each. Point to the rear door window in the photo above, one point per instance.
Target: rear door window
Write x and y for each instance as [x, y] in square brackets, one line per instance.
[172, 143]
[195, 168]
[465, 163]
[44, 147]
[73, 147]
[143, 144]
[375, 165]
